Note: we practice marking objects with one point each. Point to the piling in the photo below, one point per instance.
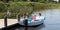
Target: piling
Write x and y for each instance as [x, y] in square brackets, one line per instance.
[18, 16]
[5, 22]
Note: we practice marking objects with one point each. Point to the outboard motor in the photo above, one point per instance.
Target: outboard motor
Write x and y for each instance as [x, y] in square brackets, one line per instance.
[25, 22]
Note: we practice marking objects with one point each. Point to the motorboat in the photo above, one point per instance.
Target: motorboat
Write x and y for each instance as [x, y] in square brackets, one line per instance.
[31, 22]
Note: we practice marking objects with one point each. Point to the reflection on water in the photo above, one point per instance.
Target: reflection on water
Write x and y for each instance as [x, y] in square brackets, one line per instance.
[32, 28]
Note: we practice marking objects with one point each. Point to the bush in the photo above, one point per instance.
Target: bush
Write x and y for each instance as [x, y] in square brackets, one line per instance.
[22, 8]
[2, 14]
[2, 6]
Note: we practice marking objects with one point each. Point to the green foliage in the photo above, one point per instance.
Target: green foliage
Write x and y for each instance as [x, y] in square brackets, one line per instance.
[2, 6]
[23, 7]
[2, 14]
[28, 0]
[13, 15]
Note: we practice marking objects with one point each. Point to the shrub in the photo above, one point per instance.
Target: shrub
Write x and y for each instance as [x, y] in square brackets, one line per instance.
[2, 6]
[22, 7]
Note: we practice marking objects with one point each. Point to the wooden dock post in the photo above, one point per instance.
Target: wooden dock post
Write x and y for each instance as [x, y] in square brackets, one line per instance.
[5, 21]
[18, 16]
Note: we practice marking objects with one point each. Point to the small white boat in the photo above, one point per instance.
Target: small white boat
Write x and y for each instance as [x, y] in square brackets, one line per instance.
[33, 22]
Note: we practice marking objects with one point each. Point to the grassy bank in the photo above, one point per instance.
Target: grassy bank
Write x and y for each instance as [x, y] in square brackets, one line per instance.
[24, 7]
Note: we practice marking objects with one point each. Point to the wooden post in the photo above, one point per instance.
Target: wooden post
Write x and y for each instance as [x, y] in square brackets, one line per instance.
[5, 21]
[18, 16]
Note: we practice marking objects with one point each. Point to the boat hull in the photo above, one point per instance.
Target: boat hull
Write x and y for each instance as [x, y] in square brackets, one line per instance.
[33, 23]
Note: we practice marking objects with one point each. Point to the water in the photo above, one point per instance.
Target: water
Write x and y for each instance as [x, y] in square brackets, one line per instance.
[52, 21]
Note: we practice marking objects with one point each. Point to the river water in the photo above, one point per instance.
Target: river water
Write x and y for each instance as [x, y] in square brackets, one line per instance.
[52, 21]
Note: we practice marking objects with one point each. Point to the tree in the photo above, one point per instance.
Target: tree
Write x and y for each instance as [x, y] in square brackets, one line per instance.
[5, 0]
[34, 0]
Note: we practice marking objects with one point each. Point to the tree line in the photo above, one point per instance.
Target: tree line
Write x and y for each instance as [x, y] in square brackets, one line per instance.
[26, 0]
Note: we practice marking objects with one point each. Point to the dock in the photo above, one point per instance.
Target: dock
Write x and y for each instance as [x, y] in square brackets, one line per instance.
[9, 22]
